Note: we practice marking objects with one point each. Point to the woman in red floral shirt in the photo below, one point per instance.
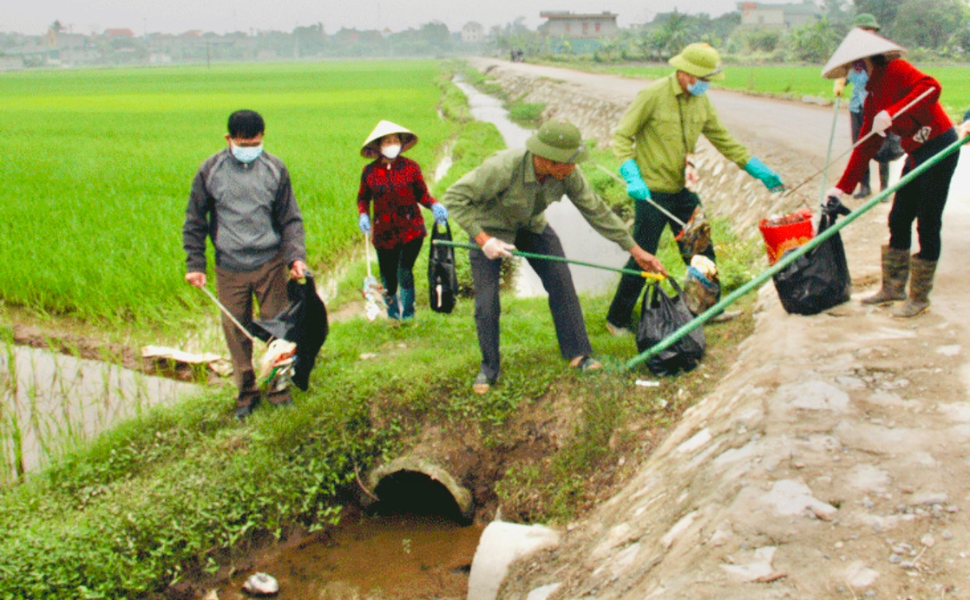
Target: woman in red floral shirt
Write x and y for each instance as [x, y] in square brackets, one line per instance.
[395, 187]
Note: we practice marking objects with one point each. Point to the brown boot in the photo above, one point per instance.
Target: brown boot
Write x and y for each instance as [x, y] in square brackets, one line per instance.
[895, 272]
[920, 287]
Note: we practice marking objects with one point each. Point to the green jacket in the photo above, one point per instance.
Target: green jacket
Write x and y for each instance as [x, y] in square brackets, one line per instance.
[503, 196]
[661, 128]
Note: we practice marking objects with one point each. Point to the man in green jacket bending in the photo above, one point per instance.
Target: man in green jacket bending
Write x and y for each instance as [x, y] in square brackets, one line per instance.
[501, 204]
[653, 139]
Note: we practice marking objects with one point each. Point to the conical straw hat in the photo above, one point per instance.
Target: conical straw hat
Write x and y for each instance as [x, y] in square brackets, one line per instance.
[857, 45]
[371, 147]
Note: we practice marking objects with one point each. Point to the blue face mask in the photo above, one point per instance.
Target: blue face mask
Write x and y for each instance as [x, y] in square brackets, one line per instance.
[699, 87]
[246, 154]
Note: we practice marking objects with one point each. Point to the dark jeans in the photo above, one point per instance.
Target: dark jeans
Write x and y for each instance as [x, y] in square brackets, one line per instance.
[648, 226]
[567, 314]
[236, 290]
[856, 120]
[397, 265]
[922, 200]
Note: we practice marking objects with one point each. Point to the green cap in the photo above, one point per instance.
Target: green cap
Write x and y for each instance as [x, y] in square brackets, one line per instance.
[866, 21]
[699, 60]
[558, 140]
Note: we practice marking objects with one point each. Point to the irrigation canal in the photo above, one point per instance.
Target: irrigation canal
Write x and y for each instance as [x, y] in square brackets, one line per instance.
[579, 240]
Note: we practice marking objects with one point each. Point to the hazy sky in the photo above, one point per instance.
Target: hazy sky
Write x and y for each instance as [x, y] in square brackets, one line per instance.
[221, 16]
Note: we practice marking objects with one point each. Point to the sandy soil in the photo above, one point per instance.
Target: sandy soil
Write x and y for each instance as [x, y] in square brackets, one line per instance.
[832, 462]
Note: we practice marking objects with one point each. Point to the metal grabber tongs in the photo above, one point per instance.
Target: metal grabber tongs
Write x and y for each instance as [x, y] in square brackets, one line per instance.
[695, 235]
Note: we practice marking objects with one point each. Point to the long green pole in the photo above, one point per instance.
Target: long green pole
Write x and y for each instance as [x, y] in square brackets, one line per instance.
[470, 246]
[789, 259]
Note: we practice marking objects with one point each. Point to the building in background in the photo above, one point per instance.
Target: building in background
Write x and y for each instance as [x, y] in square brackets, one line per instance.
[568, 25]
[472, 33]
[758, 15]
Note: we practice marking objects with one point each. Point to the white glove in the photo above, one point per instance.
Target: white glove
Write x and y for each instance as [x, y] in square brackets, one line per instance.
[835, 193]
[881, 122]
[496, 248]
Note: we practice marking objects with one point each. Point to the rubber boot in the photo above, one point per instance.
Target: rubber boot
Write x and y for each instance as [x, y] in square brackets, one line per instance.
[920, 286]
[407, 303]
[393, 308]
[864, 191]
[895, 272]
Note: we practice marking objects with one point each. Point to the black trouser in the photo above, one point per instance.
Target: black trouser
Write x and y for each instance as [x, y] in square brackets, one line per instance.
[922, 200]
[397, 265]
[567, 314]
[648, 226]
[855, 118]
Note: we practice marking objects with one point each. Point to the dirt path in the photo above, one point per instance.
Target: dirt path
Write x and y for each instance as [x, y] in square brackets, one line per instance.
[832, 462]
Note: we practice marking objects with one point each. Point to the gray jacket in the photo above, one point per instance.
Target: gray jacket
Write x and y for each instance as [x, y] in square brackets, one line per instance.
[248, 210]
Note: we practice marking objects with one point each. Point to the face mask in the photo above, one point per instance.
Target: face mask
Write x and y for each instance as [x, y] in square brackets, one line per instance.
[246, 154]
[699, 87]
[391, 151]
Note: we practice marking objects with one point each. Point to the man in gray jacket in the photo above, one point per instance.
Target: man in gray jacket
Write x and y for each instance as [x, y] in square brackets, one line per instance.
[243, 200]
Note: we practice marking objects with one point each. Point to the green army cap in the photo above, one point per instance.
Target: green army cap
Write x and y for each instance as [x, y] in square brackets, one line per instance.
[558, 140]
[866, 21]
[699, 60]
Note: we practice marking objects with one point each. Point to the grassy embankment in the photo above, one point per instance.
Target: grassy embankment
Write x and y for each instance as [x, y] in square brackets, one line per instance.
[185, 489]
[791, 81]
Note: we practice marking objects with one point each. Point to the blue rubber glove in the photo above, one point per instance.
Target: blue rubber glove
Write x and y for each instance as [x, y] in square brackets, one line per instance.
[364, 223]
[440, 212]
[636, 187]
[759, 170]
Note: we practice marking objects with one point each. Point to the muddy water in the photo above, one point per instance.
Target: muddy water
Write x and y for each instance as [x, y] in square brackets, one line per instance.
[400, 557]
[579, 240]
[50, 401]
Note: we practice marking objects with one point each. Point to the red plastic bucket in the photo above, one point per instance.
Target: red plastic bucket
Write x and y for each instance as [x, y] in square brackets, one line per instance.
[781, 234]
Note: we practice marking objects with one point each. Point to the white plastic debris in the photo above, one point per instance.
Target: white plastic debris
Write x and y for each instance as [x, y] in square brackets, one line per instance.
[261, 584]
[647, 383]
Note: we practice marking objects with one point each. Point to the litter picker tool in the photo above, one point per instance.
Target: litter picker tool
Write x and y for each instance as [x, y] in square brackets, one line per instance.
[228, 314]
[857, 144]
[470, 246]
[828, 154]
[695, 235]
[373, 294]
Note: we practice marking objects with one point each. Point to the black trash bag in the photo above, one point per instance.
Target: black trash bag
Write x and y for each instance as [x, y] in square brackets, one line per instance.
[303, 322]
[820, 279]
[890, 150]
[442, 277]
[660, 316]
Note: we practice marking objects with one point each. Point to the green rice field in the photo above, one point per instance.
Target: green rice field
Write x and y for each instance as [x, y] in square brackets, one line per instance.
[798, 81]
[98, 166]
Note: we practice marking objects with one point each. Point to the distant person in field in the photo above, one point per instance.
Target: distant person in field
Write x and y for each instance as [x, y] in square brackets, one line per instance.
[242, 199]
[897, 104]
[858, 77]
[501, 204]
[655, 140]
[395, 187]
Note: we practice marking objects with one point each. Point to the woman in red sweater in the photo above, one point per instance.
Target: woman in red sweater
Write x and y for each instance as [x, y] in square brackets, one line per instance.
[925, 129]
[395, 186]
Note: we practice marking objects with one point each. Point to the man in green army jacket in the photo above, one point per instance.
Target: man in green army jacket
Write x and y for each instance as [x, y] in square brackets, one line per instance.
[501, 204]
[654, 139]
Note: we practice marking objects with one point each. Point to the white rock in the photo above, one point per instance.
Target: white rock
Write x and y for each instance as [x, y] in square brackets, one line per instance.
[543, 592]
[261, 584]
[859, 576]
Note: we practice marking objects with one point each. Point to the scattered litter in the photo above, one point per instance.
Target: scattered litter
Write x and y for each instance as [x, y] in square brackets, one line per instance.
[647, 383]
[217, 364]
[368, 356]
[261, 584]
[212, 595]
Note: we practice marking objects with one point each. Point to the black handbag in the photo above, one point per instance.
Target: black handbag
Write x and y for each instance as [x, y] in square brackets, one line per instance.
[660, 316]
[442, 278]
[819, 279]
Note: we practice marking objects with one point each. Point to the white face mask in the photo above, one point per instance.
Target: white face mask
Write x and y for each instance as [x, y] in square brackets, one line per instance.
[246, 154]
[391, 151]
